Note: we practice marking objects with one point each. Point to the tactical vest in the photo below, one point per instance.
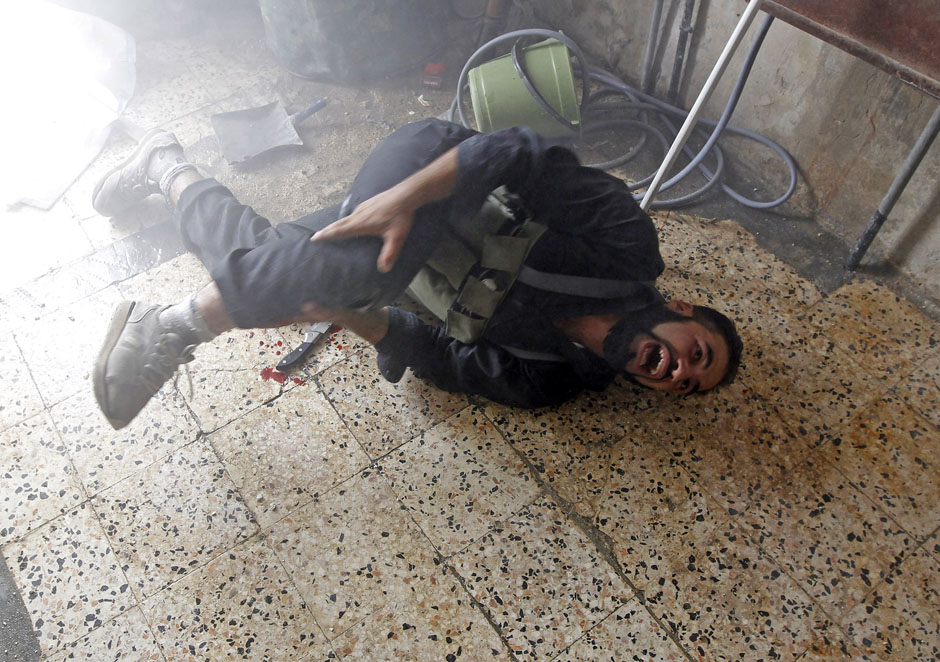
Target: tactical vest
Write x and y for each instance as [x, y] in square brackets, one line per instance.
[473, 268]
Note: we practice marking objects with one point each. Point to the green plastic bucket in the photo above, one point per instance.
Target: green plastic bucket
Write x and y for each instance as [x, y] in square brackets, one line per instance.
[500, 98]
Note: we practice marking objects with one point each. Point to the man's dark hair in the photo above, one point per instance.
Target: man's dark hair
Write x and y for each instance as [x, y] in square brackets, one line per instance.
[722, 325]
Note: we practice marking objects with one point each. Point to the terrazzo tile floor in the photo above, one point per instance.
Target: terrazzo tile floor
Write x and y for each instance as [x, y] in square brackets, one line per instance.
[791, 515]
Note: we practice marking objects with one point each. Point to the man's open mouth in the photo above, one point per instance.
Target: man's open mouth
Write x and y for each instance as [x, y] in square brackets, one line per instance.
[654, 360]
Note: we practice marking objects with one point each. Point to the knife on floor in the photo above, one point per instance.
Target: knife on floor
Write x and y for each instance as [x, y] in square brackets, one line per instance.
[298, 353]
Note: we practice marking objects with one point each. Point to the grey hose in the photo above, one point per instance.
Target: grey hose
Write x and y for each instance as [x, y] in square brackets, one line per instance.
[636, 100]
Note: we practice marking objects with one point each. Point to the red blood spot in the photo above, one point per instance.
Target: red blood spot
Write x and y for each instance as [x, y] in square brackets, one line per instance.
[261, 342]
[339, 347]
[299, 381]
[251, 334]
[279, 343]
[271, 373]
[278, 353]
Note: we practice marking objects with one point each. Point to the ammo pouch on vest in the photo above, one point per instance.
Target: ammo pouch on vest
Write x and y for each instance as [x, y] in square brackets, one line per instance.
[473, 268]
[475, 265]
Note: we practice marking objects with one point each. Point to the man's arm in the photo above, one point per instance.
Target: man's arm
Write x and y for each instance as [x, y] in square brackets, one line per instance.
[389, 214]
[481, 368]
[485, 369]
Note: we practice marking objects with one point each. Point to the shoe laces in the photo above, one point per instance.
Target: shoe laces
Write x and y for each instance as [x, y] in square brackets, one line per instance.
[164, 362]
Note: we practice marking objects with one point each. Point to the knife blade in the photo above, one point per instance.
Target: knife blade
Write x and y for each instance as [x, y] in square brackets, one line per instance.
[297, 354]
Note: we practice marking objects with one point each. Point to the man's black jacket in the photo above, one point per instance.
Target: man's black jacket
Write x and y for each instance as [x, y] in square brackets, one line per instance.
[595, 229]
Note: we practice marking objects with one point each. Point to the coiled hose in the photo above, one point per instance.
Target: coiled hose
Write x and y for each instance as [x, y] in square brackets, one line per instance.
[628, 99]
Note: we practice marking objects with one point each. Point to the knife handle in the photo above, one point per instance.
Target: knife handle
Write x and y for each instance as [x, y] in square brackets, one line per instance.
[295, 356]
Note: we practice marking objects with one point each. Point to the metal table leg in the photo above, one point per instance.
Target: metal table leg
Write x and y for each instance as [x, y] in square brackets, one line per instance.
[897, 188]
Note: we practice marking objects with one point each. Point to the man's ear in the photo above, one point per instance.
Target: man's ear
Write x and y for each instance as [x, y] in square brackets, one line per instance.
[684, 308]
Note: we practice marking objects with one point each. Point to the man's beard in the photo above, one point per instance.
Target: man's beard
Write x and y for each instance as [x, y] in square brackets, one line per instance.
[617, 351]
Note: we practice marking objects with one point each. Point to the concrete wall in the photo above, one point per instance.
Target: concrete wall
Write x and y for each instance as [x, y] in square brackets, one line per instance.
[849, 125]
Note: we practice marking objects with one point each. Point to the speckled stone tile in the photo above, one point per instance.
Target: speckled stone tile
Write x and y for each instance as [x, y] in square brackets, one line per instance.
[383, 416]
[436, 622]
[681, 238]
[60, 349]
[19, 398]
[459, 479]
[330, 349]
[891, 454]
[235, 373]
[630, 633]
[921, 389]
[724, 267]
[37, 482]
[173, 517]
[571, 445]
[815, 387]
[899, 620]
[53, 291]
[730, 440]
[653, 511]
[127, 637]
[167, 283]
[193, 75]
[884, 333]
[102, 455]
[353, 551]
[241, 606]
[285, 453]
[833, 646]
[828, 536]
[729, 600]
[525, 570]
[70, 580]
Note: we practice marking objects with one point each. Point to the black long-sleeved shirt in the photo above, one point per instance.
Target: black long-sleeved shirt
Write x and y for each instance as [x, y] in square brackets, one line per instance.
[594, 229]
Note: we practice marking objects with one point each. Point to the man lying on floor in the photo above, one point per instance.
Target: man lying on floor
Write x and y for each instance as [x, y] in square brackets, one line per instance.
[542, 271]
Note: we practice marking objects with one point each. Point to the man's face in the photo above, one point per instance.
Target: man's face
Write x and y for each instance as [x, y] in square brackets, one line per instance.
[678, 356]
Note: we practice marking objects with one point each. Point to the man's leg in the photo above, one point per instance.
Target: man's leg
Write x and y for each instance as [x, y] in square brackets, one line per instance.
[262, 274]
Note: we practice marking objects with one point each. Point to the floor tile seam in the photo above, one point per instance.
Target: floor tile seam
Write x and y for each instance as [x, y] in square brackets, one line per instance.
[752, 528]
[853, 484]
[265, 530]
[61, 646]
[918, 411]
[444, 557]
[855, 318]
[138, 237]
[446, 560]
[144, 604]
[602, 543]
[262, 402]
[726, 510]
[481, 608]
[263, 537]
[891, 381]
[205, 561]
[73, 475]
[625, 605]
[91, 495]
[21, 359]
[750, 534]
[362, 445]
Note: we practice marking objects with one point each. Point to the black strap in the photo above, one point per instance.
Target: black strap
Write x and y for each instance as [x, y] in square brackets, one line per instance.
[594, 288]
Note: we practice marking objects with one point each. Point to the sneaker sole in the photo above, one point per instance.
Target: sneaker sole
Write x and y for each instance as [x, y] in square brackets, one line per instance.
[118, 320]
[123, 164]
